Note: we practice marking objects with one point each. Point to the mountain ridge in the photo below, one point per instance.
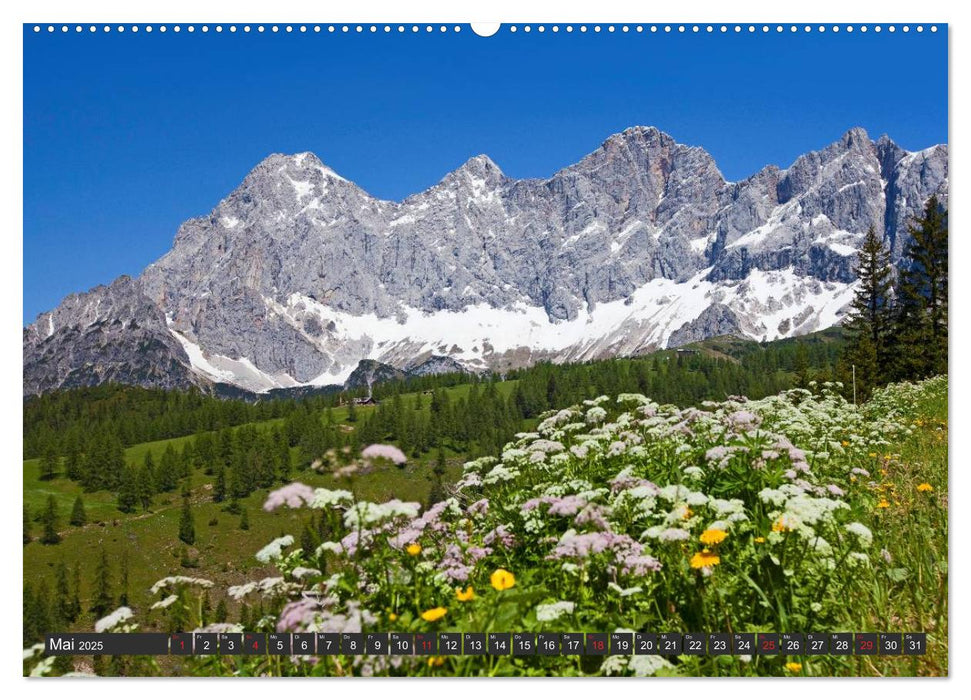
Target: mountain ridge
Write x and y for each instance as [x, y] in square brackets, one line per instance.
[299, 273]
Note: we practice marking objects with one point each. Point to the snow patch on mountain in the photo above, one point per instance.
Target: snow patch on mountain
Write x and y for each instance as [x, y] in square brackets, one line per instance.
[237, 371]
[774, 304]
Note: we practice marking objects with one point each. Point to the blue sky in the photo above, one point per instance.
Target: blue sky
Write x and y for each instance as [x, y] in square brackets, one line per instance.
[127, 135]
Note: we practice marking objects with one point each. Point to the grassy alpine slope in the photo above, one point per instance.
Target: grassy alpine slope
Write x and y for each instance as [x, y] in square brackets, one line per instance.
[797, 512]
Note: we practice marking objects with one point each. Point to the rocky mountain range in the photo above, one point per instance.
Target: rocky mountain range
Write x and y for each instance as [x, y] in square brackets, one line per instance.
[299, 274]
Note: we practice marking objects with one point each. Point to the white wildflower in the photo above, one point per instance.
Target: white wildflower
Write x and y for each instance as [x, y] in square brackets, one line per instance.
[274, 550]
[170, 581]
[165, 602]
[624, 592]
[112, 620]
[647, 665]
[240, 592]
[613, 665]
[862, 532]
[33, 650]
[551, 611]
[595, 415]
[332, 547]
[325, 498]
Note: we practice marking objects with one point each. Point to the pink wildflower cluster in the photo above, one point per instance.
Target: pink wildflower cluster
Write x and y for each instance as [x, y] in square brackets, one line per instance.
[293, 495]
[628, 553]
[389, 452]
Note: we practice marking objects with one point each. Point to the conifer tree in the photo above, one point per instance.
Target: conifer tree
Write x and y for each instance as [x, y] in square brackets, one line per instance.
[222, 613]
[920, 347]
[169, 470]
[187, 528]
[76, 592]
[36, 613]
[78, 515]
[49, 521]
[27, 525]
[128, 491]
[123, 596]
[244, 520]
[103, 601]
[49, 463]
[308, 538]
[870, 320]
[219, 485]
[62, 595]
[72, 458]
[205, 609]
[145, 484]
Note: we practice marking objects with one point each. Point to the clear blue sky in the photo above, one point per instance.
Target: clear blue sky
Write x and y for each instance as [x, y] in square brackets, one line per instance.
[127, 135]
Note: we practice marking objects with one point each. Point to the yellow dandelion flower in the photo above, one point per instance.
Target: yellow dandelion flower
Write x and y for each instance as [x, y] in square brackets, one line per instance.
[704, 559]
[845, 443]
[760, 540]
[436, 660]
[713, 536]
[794, 666]
[502, 579]
[853, 479]
[414, 549]
[925, 487]
[779, 526]
[434, 614]
[392, 617]
[884, 503]
[687, 513]
[873, 454]
[466, 595]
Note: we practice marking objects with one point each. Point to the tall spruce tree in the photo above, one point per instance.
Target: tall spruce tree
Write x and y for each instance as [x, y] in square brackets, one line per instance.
[145, 484]
[72, 458]
[187, 527]
[76, 592]
[49, 463]
[78, 515]
[103, 599]
[27, 525]
[800, 367]
[169, 470]
[49, 521]
[124, 596]
[920, 347]
[128, 490]
[62, 594]
[870, 320]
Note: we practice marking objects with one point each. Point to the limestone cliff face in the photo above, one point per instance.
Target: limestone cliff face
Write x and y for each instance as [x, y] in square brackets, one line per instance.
[299, 274]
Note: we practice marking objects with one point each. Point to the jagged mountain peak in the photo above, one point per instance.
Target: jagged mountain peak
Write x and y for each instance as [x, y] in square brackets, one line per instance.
[643, 134]
[856, 137]
[297, 275]
[480, 169]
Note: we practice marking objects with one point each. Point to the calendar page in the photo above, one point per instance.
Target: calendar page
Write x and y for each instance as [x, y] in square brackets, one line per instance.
[447, 350]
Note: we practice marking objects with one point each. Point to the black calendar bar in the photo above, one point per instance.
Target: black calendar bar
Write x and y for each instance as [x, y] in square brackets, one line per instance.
[112, 644]
[494, 644]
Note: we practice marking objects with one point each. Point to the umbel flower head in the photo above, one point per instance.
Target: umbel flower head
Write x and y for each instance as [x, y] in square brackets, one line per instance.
[389, 452]
[502, 579]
